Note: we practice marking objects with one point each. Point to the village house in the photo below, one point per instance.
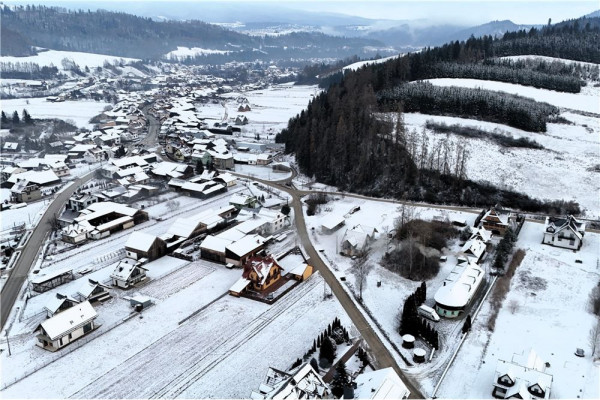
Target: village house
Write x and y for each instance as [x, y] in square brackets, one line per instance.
[332, 223]
[93, 291]
[213, 248]
[305, 383]
[239, 251]
[66, 327]
[473, 249]
[59, 303]
[566, 232]
[128, 273]
[356, 240]
[264, 159]
[105, 218]
[497, 222]
[23, 191]
[43, 283]
[522, 378]
[143, 246]
[262, 272]
[240, 201]
[74, 233]
[81, 201]
[42, 178]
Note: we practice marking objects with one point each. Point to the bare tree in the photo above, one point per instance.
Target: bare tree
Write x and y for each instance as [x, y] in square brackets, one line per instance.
[361, 268]
[594, 338]
[513, 306]
[173, 205]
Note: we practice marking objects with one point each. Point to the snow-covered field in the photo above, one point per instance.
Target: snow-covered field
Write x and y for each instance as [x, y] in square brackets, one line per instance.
[261, 172]
[360, 64]
[28, 215]
[271, 108]
[551, 316]
[80, 111]
[587, 100]
[183, 52]
[55, 57]
[562, 171]
[209, 347]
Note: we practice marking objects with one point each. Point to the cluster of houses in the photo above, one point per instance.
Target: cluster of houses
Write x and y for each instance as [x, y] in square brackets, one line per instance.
[306, 383]
[524, 377]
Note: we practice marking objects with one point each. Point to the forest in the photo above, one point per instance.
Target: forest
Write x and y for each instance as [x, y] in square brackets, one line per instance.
[126, 35]
[343, 140]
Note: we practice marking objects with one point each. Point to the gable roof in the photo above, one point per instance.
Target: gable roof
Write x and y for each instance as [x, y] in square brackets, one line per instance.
[124, 269]
[380, 384]
[140, 241]
[69, 320]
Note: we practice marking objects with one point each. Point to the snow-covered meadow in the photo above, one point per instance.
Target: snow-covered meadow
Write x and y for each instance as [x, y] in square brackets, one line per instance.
[564, 170]
[551, 316]
[55, 57]
[80, 111]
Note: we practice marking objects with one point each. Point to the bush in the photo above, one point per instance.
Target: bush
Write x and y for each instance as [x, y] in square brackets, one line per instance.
[410, 263]
[595, 300]
[433, 234]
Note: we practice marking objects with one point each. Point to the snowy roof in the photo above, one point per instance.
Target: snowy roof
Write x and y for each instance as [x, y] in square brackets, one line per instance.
[261, 265]
[299, 269]
[39, 177]
[88, 287]
[304, 384]
[51, 275]
[215, 243]
[250, 225]
[246, 244]
[69, 320]
[55, 302]
[332, 221]
[140, 241]
[474, 248]
[124, 269]
[482, 234]
[184, 227]
[557, 224]
[239, 285]
[240, 199]
[381, 384]
[106, 207]
[460, 285]
[231, 234]
[525, 373]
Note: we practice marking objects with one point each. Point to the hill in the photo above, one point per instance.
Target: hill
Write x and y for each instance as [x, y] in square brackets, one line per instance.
[126, 35]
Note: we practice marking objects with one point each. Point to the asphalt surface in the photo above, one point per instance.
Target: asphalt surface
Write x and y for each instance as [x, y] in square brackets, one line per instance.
[29, 252]
[381, 354]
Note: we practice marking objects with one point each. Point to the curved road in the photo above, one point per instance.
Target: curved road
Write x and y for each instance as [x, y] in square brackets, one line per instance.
[381, 353]
[29, 252]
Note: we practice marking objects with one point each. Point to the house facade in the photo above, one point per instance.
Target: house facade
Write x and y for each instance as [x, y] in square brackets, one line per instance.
[262, 272]
[127, 274]
[564, 232]
[66, 327]
[524, 377]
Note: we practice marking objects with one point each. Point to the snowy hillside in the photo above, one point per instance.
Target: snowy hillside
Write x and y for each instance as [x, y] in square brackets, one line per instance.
[55, 57]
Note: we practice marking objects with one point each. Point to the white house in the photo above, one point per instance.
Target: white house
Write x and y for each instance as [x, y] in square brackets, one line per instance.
[564, 232]
[127, 274]
[306, 383]
[474, 249]
[458, 289]
[356, 240]
[59, 303]
[92, 291]
[522, 377]
[66, 327]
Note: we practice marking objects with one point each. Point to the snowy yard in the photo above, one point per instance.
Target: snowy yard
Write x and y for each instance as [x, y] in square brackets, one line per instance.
[80, 111]
[563, 170]
[551, 316]
[261, 172]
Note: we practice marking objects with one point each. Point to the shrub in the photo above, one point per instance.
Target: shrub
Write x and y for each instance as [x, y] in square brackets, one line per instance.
[410, 263]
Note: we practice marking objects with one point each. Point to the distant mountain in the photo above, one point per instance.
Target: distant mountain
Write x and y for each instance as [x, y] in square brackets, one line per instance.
[494, 29]
[127, 35]
[594, 14]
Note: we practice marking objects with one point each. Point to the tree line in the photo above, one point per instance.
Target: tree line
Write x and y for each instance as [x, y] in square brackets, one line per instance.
[516, 111]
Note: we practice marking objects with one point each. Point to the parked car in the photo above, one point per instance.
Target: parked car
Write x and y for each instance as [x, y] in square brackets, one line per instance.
[428, 313]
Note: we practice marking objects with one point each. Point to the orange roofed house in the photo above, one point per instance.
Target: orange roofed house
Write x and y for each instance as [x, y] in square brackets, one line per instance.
[262, 272]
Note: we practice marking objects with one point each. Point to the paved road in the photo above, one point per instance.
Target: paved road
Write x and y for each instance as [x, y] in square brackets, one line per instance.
[381, 353]
[19, 273]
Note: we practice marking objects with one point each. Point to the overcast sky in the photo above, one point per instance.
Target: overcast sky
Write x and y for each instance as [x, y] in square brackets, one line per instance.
[469, 11]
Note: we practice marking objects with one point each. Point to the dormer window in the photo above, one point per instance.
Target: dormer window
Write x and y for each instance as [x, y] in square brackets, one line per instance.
[536, 390]
[550, 229]
[505, 380]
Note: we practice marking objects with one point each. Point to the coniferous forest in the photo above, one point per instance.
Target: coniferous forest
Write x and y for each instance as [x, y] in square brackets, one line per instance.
[343, 140]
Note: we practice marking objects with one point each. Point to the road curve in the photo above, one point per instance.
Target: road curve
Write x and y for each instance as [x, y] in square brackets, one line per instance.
[380, 352]
[19, 273]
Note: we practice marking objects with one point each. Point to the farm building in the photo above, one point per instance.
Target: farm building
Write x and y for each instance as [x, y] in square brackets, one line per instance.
[332, 223]
[195, 225]
[142, 245]
[458, 289]
[66, 327]
[522, 378]
[127, 273]
[213, 248]
[105, 218]
[238, 252]
[564, 232]
[51, 280]
[240, 201]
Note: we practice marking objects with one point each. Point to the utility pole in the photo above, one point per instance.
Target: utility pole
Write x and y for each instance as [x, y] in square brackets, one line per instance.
[8, 343]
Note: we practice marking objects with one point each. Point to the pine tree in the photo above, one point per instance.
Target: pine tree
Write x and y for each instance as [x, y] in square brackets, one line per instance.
[319, 341]
[339, 380]
[26, 117]
[4, 119]
[314, 364]
[329, 330]
[285, 209]
[15, 117]
[423, 292]
[467, 325]
[327, 351]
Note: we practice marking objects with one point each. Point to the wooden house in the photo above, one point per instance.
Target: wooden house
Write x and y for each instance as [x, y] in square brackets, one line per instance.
[93, 291]
[142, 245]
[262, 272]
[127, 273]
